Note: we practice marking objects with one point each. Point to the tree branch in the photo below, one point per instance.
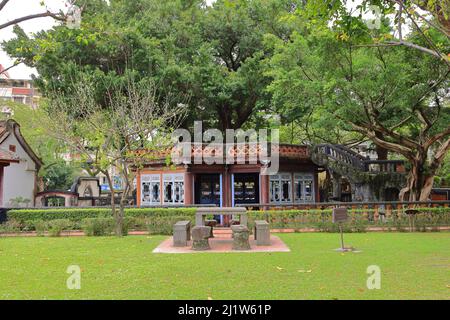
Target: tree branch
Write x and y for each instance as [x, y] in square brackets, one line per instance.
[437, 137]
[59, 17]
[10, 67]
[3, 3]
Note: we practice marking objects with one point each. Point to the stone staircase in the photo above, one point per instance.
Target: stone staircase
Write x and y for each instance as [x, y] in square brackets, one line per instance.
[367, 176]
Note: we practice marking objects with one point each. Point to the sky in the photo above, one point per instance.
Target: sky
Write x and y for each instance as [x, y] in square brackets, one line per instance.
[18, 8]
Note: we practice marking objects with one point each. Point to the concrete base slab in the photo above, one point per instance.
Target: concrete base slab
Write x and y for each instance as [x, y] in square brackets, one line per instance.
[223, 244]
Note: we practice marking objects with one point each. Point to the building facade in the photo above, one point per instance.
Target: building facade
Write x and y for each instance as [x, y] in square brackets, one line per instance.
[230, 184]
[17, 90]
[20, 179]
[6, 159]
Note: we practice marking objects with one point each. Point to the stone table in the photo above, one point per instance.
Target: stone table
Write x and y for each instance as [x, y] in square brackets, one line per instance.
[201, 214]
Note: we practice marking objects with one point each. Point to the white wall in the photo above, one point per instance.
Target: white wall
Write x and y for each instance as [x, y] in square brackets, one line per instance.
[19, 179]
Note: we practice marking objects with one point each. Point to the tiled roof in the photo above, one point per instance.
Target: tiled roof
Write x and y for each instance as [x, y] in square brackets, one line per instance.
[3, 128]
[244, 150]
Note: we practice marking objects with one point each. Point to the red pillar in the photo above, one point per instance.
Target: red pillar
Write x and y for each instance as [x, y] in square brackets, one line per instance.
[226, 194]
[264, 190]
[188, 192]
[1, 185]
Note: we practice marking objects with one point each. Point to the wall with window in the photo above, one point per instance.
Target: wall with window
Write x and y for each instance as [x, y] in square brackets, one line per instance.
[19, 178]
[297, 187]
[164, 188]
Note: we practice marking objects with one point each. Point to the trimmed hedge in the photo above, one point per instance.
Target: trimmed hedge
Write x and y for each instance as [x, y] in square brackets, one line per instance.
[78, 214]
[161, 220]
[359, 219]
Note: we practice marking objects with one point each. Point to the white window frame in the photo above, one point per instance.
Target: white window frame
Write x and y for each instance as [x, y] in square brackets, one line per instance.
[280, 178]
[150, 179]
[173, 178]
[302, 177]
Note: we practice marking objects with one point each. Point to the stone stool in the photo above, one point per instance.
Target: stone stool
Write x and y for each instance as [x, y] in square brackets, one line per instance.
[240, 237]
[200, 236]
[181, 233]
[262, 233]
[212, 224]
[234, 222]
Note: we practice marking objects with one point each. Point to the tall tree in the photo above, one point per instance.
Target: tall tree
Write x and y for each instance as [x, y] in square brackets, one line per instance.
[66, 17]
[114, 136]
[396, 97]
[420, 16]
[214, 54]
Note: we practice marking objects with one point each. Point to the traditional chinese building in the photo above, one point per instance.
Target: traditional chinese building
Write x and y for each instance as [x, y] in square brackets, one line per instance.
[230, 184]
[296, 182]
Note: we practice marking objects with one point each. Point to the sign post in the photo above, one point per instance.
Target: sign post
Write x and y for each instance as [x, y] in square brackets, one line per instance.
[340, 215]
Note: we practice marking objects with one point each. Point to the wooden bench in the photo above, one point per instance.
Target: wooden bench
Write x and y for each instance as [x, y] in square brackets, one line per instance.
[181, 233]
[262, 233]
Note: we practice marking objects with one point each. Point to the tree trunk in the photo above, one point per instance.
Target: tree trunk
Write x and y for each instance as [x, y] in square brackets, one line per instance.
[118, 215]
[124, 197]
[419, 183]
[426, 188]
[382, 153]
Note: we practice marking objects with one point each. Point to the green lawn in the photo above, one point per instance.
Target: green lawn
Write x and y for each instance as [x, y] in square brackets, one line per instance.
[413, 266]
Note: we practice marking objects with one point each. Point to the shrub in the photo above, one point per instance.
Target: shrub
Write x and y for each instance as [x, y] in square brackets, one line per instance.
[164, 225]
[55, 227]
[78, 214]
[40, 226]
[10, 226]
[98, 226]
[161, 220]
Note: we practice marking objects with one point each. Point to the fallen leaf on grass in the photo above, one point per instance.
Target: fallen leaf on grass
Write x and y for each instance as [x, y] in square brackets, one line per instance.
[308, 271]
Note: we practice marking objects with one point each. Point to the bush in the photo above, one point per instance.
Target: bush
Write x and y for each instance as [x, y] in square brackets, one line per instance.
[55, 227]
[98, 226]
[164, 225]
[40, 226]
[161, 220]
[10, 226]
[78, 214]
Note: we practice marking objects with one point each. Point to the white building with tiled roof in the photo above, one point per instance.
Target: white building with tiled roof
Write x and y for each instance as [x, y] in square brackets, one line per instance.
[20, 177]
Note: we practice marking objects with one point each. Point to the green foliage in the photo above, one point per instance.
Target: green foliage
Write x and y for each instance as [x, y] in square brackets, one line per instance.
[20, 202]
[35, 126]
[55, 227]
[160, 221]
[78, 214]
[442, 178]
[164, 225]
[59, 175]
[98, 226]
[213, 54]
[40, 226]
